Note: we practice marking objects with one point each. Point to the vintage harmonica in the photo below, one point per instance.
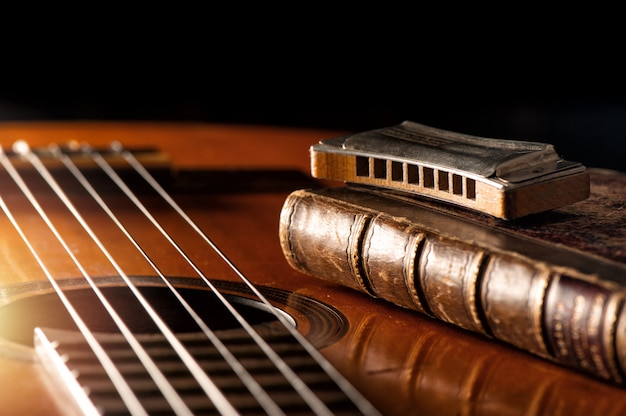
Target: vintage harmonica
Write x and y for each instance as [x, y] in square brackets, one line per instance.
[504, 178]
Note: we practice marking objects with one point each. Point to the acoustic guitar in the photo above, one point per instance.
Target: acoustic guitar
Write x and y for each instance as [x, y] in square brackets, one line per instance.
[141, 273]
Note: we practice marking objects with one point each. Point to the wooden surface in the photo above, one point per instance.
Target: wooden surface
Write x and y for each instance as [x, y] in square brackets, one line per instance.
[190, 145]
[402, 361]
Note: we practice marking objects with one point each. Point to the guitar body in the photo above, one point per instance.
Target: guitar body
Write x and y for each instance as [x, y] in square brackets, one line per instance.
[232, 181]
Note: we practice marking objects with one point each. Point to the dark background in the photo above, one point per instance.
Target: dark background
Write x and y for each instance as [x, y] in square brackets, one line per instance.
[568, 90]
[589, 128]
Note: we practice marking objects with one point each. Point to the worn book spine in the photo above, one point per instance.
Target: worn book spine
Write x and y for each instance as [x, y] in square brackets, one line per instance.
[540, 298]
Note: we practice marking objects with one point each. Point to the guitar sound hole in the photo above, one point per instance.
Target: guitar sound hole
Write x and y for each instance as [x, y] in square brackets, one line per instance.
[19, 318]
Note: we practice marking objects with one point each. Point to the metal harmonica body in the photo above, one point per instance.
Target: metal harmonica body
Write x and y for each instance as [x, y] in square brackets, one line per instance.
[504, 178]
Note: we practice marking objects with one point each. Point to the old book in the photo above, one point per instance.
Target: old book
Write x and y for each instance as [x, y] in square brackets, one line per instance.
[553, 284]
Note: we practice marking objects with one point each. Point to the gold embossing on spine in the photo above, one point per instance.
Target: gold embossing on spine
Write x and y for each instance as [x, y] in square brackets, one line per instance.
[389, 253]
[580, 319]
[449, 272]
[512, 294]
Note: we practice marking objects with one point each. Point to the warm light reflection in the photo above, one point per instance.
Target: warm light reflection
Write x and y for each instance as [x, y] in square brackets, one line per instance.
[419, 366]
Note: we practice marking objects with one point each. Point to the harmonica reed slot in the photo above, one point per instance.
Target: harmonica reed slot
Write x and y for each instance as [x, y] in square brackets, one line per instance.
[412, 174]
[470, 188]
[457, 184]
[428, 176]
[380, 168]
[397, 173]
[442, 180]
[362, 166]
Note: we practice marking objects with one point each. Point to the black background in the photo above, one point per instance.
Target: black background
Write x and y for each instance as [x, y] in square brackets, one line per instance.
[567, 89]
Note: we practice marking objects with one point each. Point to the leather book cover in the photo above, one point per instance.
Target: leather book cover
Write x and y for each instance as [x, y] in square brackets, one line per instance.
[552, 283]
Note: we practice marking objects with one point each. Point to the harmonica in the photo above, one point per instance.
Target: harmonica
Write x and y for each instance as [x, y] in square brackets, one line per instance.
[507, 179]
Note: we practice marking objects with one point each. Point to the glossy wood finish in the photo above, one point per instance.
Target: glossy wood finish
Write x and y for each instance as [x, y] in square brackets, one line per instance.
[402, 361]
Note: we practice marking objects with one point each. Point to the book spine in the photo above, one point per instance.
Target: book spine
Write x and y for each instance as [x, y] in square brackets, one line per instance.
[559, 314]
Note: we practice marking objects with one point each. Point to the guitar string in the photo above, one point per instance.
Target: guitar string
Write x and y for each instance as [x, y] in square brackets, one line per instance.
[355, 396]
[170, 394]
[299, 385]
[314, 402]
[358, 400]
[253, 386]
[126, 393]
